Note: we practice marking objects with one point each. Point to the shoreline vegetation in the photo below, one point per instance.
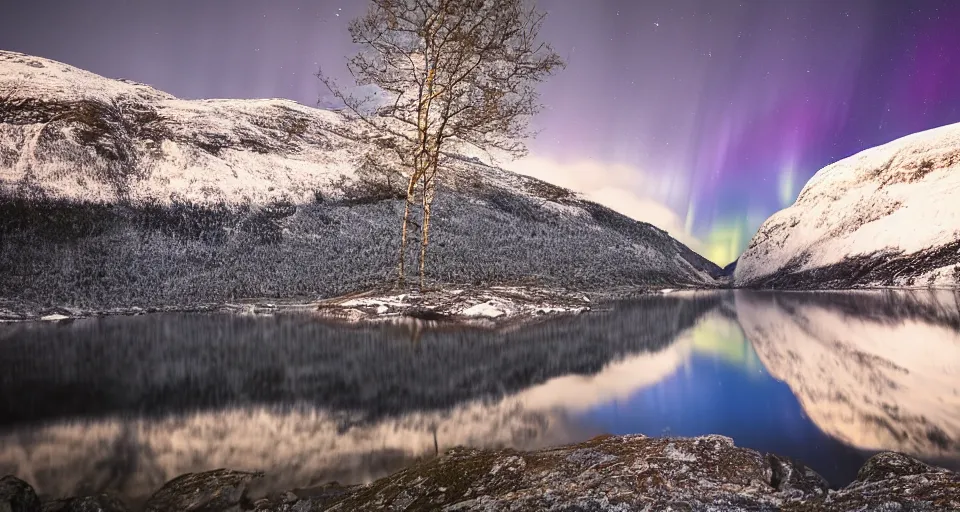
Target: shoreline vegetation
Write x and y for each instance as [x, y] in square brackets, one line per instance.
[631, 472]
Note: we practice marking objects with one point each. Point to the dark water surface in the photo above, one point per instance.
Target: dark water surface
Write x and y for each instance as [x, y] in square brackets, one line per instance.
[124, 404]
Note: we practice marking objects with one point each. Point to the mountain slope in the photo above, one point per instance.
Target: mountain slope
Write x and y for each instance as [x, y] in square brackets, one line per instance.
[888, 216]
[116, 194]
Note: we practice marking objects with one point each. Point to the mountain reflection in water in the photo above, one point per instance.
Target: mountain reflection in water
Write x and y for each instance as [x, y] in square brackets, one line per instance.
[124, 404]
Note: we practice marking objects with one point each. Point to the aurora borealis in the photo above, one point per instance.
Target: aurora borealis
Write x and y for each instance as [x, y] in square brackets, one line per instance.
[737, 103]
[716, 110]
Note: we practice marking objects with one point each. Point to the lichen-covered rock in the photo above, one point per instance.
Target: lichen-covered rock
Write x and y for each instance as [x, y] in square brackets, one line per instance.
[17, 496]
[788, 475]
[221, 490]
[894, 482]
[315, 498]
[887, 465]
[638, 473]
[99, 503]
[606, 473]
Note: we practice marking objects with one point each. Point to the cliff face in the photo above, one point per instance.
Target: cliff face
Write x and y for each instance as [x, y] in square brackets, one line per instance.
[888, 216]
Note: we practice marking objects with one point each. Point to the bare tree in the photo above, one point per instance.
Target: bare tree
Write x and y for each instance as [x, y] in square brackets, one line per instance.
[445, 72]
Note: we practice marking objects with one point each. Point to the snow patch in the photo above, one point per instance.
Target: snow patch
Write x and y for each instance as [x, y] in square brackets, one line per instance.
[493, 303]
[377, 302]
[489, 309]
[54, 318]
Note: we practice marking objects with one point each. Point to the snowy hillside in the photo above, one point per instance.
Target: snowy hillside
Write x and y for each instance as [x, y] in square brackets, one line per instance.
[888, 216]
[113, 193]
[856, 369]
[81, 136]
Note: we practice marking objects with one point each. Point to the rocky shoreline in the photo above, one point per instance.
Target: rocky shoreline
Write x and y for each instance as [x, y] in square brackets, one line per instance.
[606, 473]
[459, 306]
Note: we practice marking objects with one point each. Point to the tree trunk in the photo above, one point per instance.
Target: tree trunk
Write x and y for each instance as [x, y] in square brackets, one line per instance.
[411, 188]
[429, 189]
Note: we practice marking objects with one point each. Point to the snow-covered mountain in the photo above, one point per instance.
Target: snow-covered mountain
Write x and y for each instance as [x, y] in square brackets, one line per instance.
[887, 216]
[852, 362]
[114, 193]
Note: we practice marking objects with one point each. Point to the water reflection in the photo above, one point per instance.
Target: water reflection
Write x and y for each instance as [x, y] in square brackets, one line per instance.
[879, 371]
[722, 387]
[124, 404]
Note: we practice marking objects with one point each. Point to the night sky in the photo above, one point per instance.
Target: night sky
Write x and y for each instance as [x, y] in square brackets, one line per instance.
[698, 115]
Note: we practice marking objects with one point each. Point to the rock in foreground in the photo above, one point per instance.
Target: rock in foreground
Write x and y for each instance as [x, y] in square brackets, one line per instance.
[887, 216]
[219, 490]
[17, 496]
[606, 473]
[99, 503]
[639, 473]
[891, 481]
[610, 473]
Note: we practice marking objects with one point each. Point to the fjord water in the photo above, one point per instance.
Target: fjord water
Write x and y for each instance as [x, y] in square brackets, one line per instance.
[123, 404]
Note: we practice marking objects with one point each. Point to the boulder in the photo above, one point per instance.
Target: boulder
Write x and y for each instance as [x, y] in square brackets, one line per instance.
[17, 496]
[98, 503]
[894, 482]
[220, 490]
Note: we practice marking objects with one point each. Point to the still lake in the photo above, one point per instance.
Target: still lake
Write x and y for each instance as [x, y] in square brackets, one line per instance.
[123, 404]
